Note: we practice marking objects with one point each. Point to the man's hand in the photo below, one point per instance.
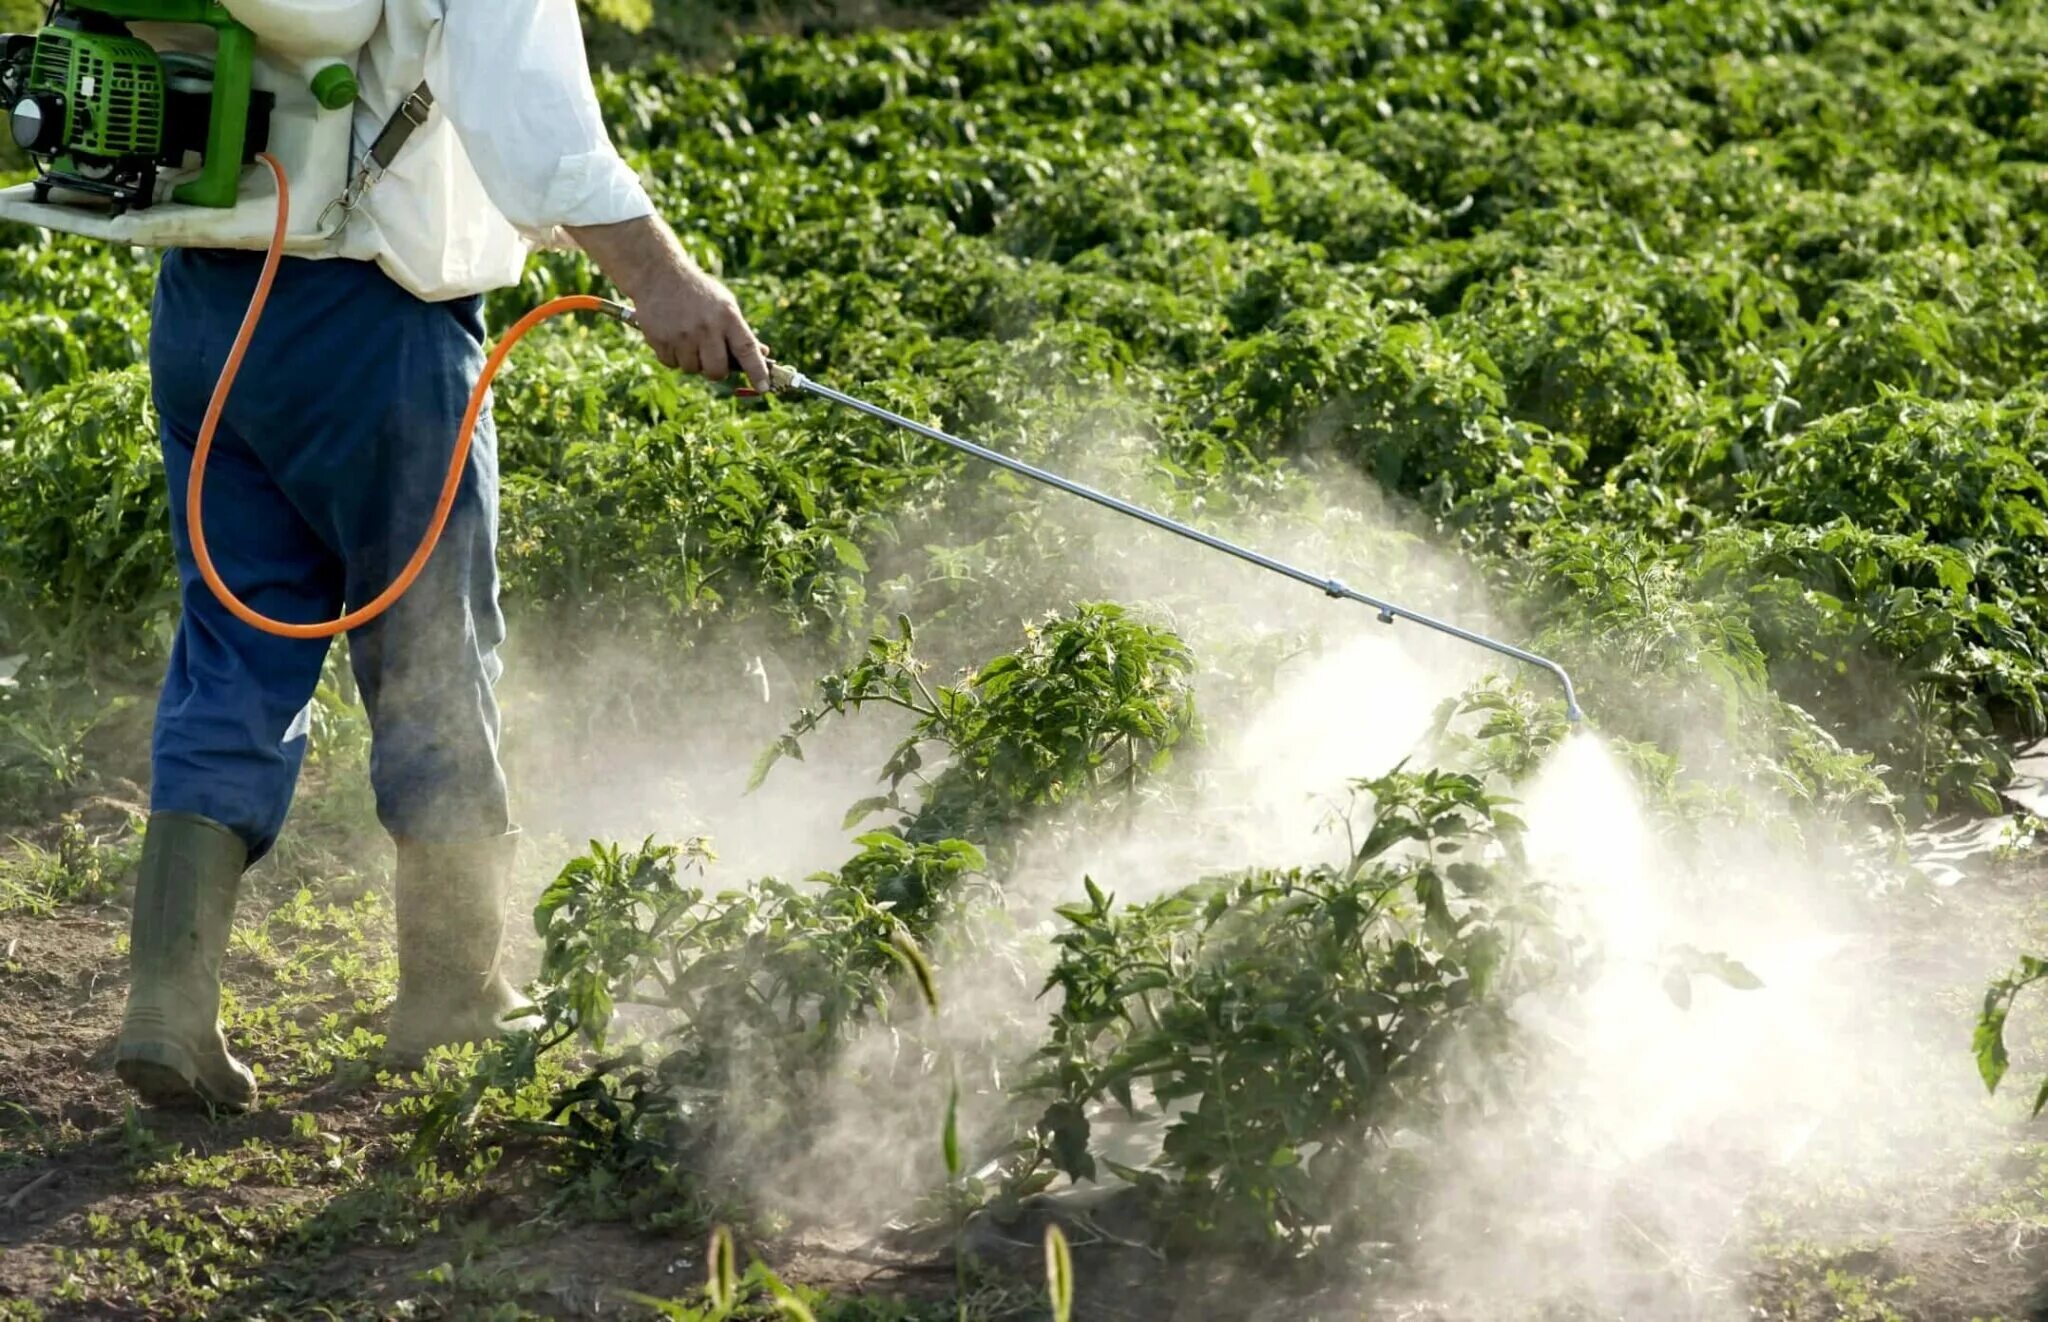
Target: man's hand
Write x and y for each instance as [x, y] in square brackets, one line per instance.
[692, 321]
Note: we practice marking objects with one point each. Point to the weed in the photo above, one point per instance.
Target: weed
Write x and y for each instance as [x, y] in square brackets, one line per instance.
[82, 869]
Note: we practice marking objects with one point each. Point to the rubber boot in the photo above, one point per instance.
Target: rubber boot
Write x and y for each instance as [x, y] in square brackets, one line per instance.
[172, 1051]
[451, 923]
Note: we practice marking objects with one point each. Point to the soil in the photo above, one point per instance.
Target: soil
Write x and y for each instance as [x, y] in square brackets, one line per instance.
[61, 993]
[69, 1144]
[72, 1148]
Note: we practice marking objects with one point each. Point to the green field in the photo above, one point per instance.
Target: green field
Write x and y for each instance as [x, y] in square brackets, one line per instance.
[919, 859]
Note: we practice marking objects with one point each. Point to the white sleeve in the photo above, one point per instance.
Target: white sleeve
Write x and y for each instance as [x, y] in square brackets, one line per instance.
[514, 81]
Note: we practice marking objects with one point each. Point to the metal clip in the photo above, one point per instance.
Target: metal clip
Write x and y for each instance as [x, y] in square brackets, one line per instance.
[351, 196]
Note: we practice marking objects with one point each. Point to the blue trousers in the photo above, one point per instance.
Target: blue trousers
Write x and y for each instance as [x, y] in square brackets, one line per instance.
[322, 478]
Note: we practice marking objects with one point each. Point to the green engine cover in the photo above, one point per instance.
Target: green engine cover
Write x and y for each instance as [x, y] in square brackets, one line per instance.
[113, 90]
[116, 104]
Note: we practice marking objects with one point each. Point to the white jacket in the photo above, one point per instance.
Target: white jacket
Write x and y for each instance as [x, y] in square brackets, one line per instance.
[515, 147]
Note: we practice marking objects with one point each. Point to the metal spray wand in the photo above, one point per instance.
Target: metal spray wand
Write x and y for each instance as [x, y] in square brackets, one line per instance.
[787, 380]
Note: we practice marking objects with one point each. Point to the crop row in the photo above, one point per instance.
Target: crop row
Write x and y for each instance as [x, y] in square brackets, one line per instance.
[1708, 335]
[1551, 270]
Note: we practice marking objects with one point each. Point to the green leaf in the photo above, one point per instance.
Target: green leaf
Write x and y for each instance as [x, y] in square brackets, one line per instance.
[722, 1283]
[632, 15]
[1064, 1125]
[788, 1303]
[1059, 1273]
[1429, 889]
[1712, 963]
[863, 808]
[1736, 975]
[786, 746]
[904, 948]
[848, 554]
[1989, 1044]
[951, 1139]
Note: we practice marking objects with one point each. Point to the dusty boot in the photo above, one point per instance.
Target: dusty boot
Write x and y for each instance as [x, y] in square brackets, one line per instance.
[451, 921]
[171, 1049]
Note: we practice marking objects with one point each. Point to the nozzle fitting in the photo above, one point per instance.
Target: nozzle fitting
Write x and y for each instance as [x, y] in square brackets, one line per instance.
[782, 379]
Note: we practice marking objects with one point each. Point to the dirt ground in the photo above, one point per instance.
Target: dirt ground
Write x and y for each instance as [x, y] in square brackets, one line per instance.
[310, 1203]
[77, 1156]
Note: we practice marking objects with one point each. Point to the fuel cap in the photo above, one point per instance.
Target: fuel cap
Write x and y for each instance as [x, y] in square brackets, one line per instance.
[37, 121]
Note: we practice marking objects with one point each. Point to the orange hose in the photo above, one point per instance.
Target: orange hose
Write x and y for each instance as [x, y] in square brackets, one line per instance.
[457, 461]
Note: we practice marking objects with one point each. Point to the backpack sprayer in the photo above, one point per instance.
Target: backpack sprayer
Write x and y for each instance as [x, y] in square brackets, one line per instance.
[142, 136]
[181, 123]
[143, 117]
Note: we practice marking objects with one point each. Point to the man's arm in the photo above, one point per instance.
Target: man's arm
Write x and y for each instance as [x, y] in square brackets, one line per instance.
[513, 79]
[692, 321]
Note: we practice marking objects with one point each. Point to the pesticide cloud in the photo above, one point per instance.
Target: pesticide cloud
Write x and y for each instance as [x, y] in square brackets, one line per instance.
[663, 745]
[1347, 697]
[1659, 1123]
[1648, 1125]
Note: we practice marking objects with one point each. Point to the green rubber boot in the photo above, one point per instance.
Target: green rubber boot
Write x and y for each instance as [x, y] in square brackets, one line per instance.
[171, 1050]
[451, 923]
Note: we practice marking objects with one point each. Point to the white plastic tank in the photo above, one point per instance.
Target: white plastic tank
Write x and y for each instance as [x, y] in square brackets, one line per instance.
[309, 29]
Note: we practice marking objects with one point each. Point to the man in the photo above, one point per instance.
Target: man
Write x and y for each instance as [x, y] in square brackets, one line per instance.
[323, 476]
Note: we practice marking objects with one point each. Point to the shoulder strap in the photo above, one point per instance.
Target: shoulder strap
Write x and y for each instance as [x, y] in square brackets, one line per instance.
[398, 130]
[412, 112]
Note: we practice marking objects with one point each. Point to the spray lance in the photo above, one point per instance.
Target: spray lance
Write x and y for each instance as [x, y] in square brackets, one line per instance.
[785, 380]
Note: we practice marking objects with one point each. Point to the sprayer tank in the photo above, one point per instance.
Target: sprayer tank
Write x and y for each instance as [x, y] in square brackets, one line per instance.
[297, 42]
[309, 29]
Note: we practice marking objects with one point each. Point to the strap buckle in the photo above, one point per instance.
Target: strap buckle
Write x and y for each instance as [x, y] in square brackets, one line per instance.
[417, 106]
[411, 115]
